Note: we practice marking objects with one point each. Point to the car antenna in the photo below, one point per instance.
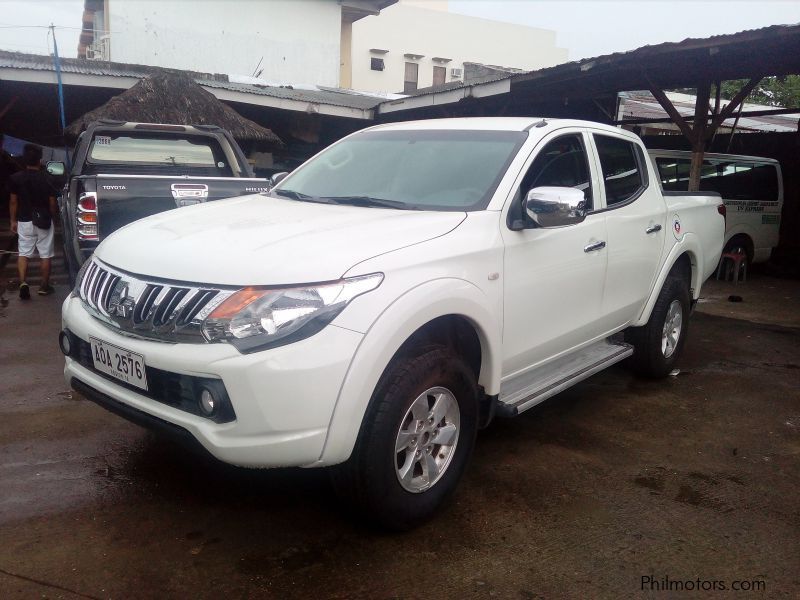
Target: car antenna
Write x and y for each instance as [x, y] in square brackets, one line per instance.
[538, 124]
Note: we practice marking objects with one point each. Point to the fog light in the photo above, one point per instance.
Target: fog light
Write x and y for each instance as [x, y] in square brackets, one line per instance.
[208, 403]
[64, 343]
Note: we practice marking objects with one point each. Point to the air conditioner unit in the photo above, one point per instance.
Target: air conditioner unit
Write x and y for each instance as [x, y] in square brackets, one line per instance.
[456, 72]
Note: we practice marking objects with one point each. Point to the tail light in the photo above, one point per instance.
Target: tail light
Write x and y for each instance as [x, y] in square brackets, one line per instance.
[724, 212]
[86, 217]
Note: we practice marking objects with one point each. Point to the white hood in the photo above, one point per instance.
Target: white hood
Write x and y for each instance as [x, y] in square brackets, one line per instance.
[260, 240]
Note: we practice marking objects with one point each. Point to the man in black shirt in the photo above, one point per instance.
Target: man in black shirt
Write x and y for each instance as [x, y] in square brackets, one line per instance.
[32, 206]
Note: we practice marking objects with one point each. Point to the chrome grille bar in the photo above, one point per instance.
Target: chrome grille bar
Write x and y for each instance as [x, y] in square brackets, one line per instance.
[148, 309]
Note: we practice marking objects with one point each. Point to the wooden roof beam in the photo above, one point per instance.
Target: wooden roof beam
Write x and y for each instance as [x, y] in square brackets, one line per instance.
[670, 109]
[727, 111]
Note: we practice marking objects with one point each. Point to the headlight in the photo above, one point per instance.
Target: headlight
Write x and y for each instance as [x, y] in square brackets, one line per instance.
[79, 277]
[257, 318]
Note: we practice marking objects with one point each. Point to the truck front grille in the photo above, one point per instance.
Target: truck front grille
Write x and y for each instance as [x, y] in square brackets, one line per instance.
[161, 310]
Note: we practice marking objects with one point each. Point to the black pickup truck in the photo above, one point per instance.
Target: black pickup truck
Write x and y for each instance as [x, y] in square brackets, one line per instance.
[122, 172]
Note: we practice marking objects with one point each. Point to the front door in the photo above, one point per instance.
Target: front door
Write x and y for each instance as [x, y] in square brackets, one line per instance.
[553, 277]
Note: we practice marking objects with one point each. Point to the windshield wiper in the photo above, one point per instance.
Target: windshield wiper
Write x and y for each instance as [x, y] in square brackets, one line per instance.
[299, 196]
[368, 201]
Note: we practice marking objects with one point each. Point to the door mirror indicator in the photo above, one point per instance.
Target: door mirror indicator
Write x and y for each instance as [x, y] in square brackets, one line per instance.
[56, 168]
[555, 206]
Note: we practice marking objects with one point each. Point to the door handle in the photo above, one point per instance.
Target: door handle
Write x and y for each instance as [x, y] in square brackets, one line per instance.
[653, 229]
[595, 246]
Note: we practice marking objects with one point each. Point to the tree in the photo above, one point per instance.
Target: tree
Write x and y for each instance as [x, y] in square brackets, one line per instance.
[772, 91]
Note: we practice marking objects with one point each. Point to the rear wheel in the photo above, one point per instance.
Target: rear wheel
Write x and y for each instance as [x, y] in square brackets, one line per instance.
[659, 343]
[415, 441]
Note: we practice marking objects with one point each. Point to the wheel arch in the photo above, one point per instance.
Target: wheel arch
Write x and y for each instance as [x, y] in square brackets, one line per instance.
[685, 258]
[454, 312]
[746, 239]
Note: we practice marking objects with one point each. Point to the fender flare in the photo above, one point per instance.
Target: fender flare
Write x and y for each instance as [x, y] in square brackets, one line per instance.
[689, 244]
[405, 315]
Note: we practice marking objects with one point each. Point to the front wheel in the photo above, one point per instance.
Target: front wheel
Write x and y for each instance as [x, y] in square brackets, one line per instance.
[415, 441]
[658, 344]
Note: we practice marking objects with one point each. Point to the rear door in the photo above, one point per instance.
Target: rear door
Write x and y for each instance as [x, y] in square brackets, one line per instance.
[636, 224]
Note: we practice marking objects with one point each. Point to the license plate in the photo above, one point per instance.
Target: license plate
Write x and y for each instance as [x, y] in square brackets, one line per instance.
[122, 364]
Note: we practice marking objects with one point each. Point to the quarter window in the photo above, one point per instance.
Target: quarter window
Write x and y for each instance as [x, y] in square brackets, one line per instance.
[622, 176]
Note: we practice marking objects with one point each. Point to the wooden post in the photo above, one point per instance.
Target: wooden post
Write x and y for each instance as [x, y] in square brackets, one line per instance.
[701, 130]
[698, 133]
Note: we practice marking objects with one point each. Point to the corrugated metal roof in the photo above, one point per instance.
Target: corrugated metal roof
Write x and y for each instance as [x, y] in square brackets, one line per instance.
[649, 51]
[37, 62]
[330, 98]
[17, 60]
[642, 105]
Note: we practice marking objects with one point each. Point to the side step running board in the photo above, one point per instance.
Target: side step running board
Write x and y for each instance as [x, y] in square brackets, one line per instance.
[531, 388]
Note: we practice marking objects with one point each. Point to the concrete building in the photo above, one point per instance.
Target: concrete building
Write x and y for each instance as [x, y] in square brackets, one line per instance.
[280, 41]
[415, 44]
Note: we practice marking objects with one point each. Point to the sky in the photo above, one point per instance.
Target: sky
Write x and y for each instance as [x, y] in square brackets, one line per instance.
[586, 28]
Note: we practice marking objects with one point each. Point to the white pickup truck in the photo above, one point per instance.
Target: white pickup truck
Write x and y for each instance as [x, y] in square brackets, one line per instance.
[389, 297]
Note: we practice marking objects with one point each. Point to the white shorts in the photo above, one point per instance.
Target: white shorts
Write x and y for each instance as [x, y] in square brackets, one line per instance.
[31, 237]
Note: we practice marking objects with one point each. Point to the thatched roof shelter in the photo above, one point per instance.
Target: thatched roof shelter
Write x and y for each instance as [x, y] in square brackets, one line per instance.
[175, 98]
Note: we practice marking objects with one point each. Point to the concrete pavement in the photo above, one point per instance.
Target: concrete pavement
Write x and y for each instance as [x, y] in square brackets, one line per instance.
[619, 479]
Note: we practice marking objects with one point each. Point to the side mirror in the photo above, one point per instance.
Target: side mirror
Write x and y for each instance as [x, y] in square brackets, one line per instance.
[277, 178]
[56, 168]
[555, 206]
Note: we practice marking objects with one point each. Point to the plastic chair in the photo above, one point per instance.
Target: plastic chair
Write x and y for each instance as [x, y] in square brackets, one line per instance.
[734, 263]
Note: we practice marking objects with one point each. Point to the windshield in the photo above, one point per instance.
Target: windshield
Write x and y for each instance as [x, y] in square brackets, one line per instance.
[199, 153]
[422, 170]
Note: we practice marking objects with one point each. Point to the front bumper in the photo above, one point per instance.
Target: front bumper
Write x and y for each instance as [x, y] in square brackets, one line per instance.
[283, 398]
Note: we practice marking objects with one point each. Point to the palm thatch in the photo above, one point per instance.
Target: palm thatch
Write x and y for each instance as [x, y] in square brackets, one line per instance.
[175, 98]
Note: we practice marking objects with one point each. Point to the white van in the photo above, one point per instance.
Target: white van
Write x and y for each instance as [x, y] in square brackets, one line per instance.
[751, 188]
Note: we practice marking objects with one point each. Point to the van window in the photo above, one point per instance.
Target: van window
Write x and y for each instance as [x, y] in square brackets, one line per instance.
[622, 176]
[735, 180]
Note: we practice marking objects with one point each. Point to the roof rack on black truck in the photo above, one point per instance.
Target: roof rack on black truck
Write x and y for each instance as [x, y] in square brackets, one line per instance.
[123, 171]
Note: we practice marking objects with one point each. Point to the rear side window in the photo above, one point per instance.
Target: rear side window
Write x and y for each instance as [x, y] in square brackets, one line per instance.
[622, 174]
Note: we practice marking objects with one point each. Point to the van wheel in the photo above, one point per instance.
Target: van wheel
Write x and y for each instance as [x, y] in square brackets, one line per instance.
[415, 441]
[658, 344]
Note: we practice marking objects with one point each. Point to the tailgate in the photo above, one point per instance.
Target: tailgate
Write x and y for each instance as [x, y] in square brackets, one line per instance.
[124, 199]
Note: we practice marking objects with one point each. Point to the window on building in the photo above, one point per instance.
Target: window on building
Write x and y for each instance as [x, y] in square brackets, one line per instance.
[376, 64]
[411, 78]
[439, 75]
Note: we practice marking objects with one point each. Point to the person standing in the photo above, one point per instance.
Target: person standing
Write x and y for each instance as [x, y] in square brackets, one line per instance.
[32, 207]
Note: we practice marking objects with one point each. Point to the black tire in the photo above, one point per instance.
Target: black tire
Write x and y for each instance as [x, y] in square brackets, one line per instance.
[649, 359]
[369, 483]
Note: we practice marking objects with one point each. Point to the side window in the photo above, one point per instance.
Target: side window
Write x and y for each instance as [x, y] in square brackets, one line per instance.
[744, 181]
[622, 174]
[674, 173]
[561, 163]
